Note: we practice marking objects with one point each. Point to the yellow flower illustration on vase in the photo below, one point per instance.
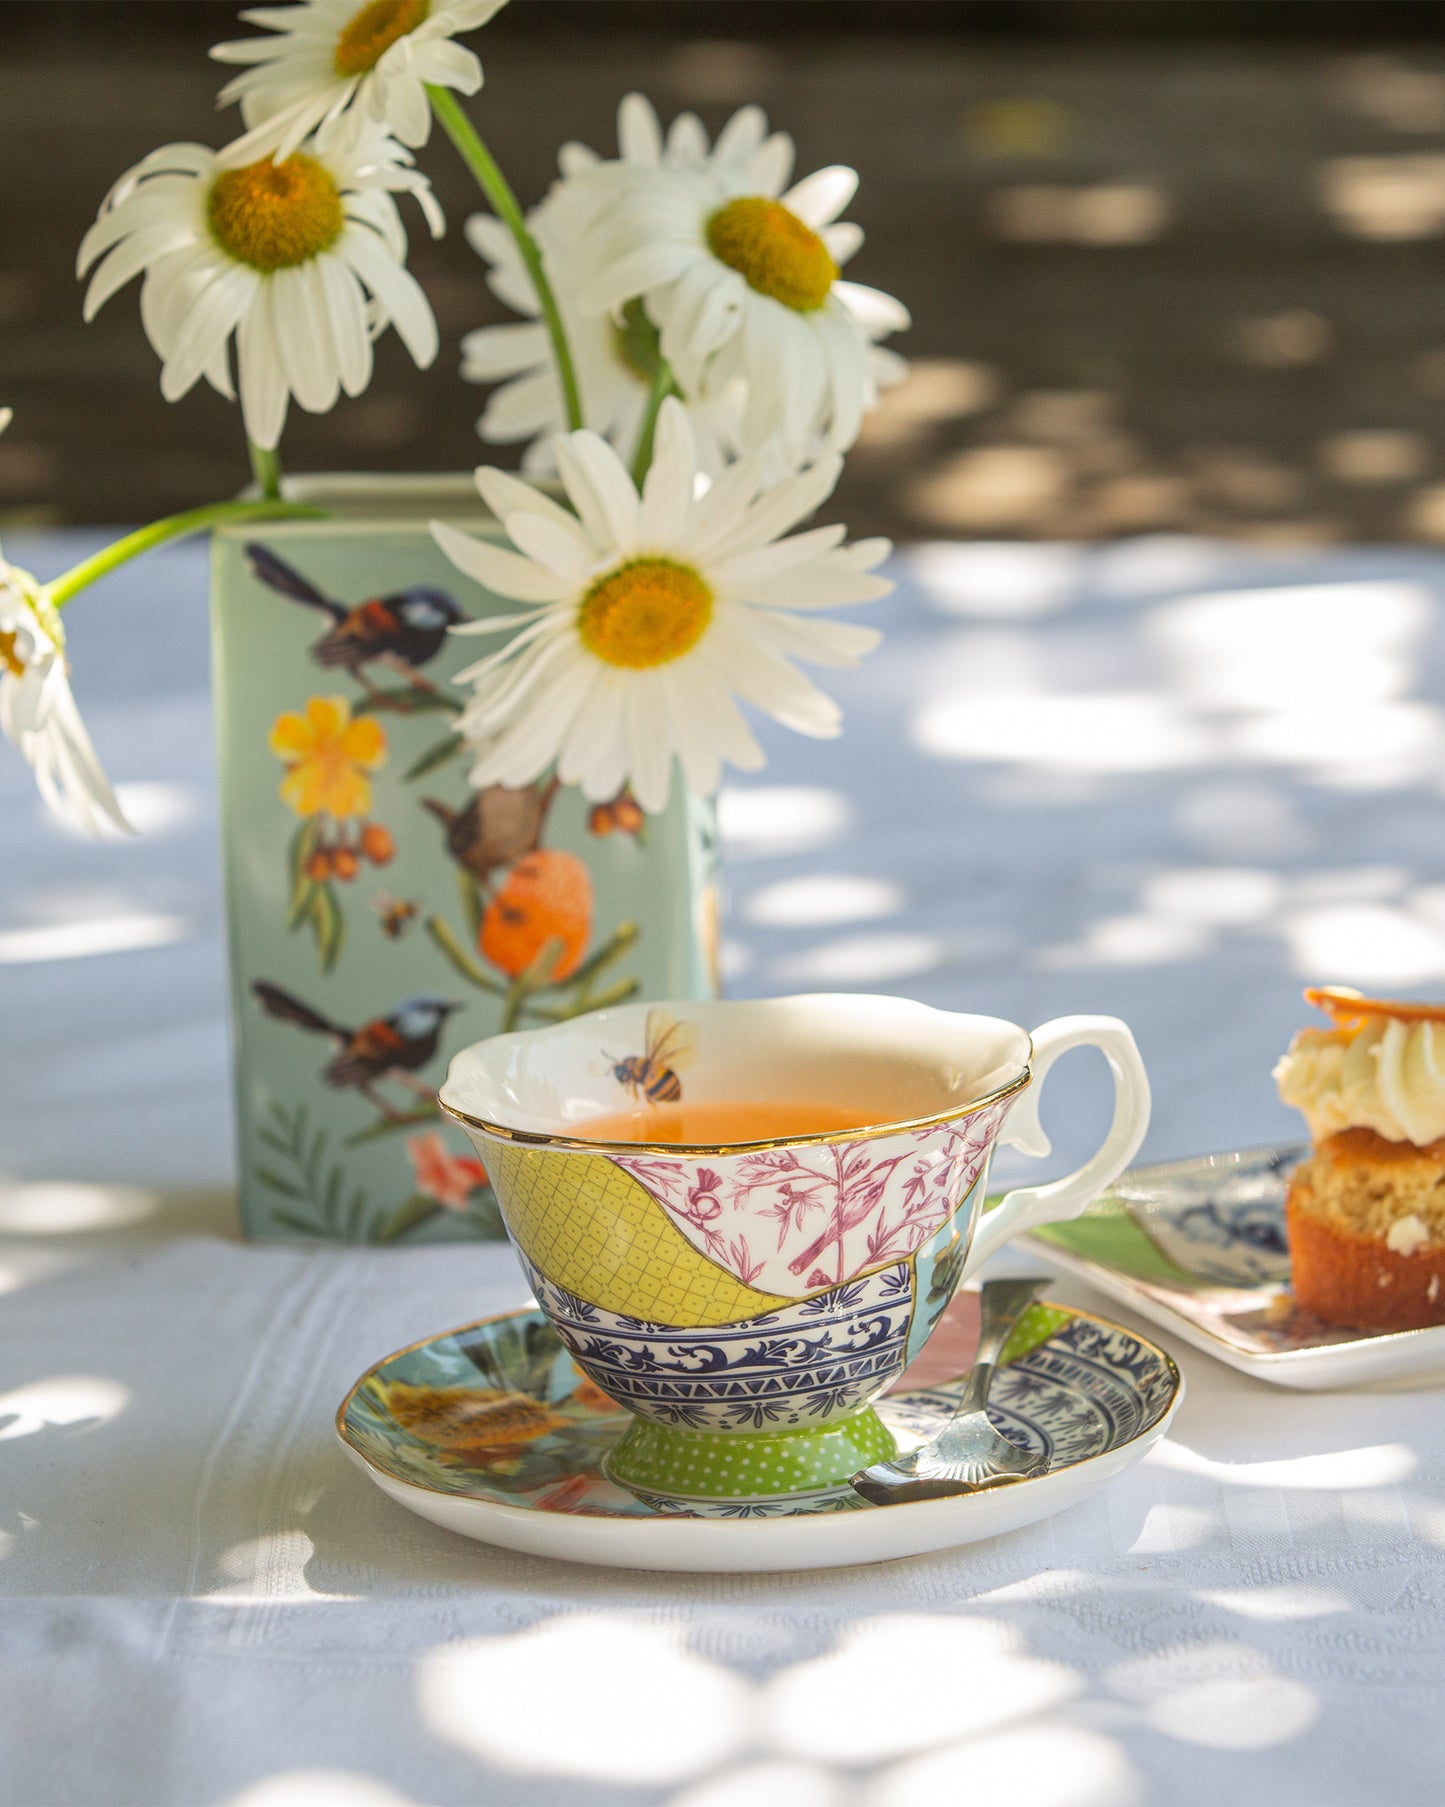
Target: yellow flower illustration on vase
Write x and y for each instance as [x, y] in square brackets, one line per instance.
[329, 756]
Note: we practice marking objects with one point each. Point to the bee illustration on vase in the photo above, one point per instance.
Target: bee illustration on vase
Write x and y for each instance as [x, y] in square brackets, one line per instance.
[652, 1075]
[397, 914]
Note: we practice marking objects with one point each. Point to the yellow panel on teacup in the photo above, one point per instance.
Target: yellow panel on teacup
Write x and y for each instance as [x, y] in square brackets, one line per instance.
[592, 1228]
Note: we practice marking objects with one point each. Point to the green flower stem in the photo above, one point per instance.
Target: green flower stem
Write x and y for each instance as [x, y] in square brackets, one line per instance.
[532, 979]
[662, 387]
[173, 527]
[266, 469]
[625, 937]
[441, 933]
[495, 187]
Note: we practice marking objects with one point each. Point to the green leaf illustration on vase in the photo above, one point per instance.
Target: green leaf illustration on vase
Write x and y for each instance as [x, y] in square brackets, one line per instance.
[439, 753]
[319, 1203]
[416, 698]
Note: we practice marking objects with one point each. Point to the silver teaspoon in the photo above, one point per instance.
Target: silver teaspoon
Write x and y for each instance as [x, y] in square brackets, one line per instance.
[968, 1454]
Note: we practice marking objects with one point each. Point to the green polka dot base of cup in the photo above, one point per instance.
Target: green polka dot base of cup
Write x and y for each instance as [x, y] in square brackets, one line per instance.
[747, 1465]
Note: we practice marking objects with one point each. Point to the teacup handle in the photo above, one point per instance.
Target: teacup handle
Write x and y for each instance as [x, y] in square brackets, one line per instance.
[1028, 1206]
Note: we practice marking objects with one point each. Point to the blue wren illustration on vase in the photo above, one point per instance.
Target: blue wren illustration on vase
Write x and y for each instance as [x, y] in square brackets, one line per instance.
[405, 630]
[387, 1047]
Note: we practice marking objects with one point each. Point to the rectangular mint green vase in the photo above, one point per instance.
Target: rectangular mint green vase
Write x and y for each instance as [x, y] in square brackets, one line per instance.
[381, 913]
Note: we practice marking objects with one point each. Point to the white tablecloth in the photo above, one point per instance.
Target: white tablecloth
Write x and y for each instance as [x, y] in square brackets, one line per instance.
[1107, 780]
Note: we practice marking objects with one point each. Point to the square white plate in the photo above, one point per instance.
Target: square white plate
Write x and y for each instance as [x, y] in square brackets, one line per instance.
[1198, 1247]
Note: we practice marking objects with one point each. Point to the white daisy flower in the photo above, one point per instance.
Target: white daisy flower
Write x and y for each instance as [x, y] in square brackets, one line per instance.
[615, 361]
[651, 613]
[742, 275]
[38, 711]
[304, 260]
[615, 358]
[334, 66]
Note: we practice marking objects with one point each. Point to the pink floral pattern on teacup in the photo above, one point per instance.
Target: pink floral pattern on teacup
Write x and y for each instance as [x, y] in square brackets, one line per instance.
[792, 1219]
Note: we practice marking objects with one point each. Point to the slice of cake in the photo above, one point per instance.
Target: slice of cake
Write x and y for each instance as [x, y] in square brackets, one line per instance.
[1365, 1213]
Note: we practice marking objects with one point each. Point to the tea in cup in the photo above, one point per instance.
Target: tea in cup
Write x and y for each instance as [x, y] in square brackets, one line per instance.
[744, 1219]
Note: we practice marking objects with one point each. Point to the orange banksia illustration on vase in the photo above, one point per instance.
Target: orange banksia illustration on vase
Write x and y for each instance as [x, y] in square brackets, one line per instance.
[529, 909]
[545, 899]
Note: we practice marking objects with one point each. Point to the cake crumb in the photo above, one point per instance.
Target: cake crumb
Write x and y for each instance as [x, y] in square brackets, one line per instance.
[1407, 1236]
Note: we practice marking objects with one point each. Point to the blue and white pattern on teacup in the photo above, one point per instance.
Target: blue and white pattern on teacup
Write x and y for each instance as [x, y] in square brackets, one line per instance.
[1091, 1388]
[804, 1364]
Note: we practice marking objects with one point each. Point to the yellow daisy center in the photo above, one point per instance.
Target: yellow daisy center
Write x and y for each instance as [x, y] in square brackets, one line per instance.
[773, 251]
[273, 215]
[647, 612]
[9, 658]
[372, 30]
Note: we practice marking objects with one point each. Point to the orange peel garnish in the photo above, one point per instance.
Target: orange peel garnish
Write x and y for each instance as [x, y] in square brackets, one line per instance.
[1350, 1010]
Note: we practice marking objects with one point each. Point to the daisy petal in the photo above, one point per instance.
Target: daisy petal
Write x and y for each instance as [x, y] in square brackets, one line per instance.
[842, 241]
[639, 134]
[741, 136]
[521, 408]
[561, 546]
[876, 312]
[686, 140]
[819, 199]
[599, 489]
[667, 490]
[838, 643]
[493, 352]
[505, 495]
[770, 166]
[398, 292]
[503, 572]
[633, 275]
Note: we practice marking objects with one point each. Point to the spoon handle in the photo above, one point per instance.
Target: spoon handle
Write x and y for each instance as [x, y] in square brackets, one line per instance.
[1001, 1303]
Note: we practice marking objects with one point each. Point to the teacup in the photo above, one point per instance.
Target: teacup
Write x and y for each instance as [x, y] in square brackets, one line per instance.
[748, 1301]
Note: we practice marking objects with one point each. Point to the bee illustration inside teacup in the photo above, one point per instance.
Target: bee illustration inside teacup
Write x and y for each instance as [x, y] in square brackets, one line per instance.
[653, 1075]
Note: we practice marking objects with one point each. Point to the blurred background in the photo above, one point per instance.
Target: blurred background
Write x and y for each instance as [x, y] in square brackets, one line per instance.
[1173, 266]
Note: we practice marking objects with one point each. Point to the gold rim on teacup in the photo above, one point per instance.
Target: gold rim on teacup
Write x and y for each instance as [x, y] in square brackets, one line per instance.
[536, 1138]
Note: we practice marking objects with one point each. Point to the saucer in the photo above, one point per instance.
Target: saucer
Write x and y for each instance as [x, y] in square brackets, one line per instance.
[1198, 1247]
[490, 1430]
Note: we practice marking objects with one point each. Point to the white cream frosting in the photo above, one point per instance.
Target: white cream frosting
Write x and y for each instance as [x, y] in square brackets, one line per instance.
[1388, 1075]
